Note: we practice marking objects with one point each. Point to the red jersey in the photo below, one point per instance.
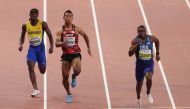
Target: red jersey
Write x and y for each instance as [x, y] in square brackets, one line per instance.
[71, 46]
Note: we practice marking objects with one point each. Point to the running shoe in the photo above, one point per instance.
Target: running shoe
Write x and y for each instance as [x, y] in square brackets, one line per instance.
[35, 93]
[74, 83]
[139, 103]
[150, 98]
[69, 99]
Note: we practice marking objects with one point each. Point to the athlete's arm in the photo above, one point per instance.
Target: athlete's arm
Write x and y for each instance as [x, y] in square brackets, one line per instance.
[85, 36]
[22, 38]
[133, 47]
[157, 45]
[47, 30]
[58, 42]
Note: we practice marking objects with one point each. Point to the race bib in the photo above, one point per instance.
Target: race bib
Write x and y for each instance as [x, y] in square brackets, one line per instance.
[35, 41]
[145, 54]
[70, 41]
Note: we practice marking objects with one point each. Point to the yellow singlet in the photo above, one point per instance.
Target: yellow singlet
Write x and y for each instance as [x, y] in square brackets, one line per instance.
[35, 33]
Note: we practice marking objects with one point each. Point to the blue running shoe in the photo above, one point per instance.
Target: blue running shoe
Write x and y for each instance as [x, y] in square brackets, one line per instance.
[69, 99]
[74, 83]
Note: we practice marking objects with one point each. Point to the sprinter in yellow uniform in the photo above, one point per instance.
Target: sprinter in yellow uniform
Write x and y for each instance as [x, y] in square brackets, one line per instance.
[36, 52]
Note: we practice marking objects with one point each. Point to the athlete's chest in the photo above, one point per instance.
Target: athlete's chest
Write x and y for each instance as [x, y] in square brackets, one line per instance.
[147, 45]
[71, 38]
[69, 33]
[32, 30]
[145, 50]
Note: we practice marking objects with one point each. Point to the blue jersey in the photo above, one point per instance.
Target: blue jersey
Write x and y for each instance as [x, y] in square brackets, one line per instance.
[144, 50]
[144, 55]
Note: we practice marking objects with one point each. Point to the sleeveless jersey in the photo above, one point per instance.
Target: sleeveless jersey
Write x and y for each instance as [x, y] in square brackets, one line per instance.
[71, 46]
[35, 33]
[145, 50]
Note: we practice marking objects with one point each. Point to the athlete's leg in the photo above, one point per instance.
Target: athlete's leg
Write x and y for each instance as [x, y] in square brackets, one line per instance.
[31, 61]
[149, 74]
[148, 81]
[31, 65]
[66, 66]
[41, 59]
[76, 63]
[148, 86]
[42, 68]
[139, 78]
[138, 91]
[139, 88]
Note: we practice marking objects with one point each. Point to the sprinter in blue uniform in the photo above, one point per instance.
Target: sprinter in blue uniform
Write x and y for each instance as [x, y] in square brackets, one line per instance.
[142, 47]
[35, 28]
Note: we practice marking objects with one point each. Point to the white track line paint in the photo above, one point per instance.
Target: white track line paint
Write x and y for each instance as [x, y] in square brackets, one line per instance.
[45, 42]
[159, 62]
[156, 108]
[101, 54]
[188, 4]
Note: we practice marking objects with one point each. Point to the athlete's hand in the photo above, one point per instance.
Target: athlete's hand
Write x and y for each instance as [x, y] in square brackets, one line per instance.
[20, 48]
[89, 52]
[51, 49]
[64, 42]
[157, 57]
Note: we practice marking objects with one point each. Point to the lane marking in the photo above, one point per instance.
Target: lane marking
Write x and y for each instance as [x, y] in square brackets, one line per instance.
[156, 108]
[45, 42]
[188, 4]
[100, 54]
[159, 63]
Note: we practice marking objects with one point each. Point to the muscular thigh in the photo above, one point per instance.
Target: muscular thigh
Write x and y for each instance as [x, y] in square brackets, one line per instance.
[149, 75]
[66, 66]
[76, 63]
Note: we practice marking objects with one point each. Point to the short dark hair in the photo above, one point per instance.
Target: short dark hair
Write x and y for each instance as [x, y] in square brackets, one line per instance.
[141, 26]
[34, 10]
[68, 11]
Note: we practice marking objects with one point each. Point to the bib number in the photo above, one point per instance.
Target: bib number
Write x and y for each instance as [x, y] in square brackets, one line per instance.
[35, 41]
[70, 41]
[145, 54]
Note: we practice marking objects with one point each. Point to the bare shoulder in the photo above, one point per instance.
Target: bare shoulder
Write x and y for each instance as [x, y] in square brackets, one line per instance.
[78, 29]
[44, 24]
[59, 31]
[153, 38]
[24, 27]
[133, 42]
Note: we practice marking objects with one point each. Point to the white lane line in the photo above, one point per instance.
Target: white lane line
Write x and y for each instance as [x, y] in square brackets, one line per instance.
[45, 42]
[188, 4]
[156, 108]
[101, 54]
[159, 63]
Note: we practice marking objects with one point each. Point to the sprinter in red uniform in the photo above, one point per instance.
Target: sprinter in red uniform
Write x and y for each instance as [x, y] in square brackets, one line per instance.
[67, 38]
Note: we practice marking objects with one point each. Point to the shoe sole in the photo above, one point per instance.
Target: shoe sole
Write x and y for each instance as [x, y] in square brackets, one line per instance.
[34, 95]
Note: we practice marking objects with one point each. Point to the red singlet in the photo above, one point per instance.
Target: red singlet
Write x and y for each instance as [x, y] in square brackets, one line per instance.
[71, 46]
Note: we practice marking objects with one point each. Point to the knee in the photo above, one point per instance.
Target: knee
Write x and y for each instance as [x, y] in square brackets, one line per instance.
[77, 71]
[149, 76]
[42, 71]
[31, 68]
[139, 84]
[65, 78]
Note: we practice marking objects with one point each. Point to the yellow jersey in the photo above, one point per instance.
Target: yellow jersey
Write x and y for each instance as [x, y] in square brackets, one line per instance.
[35, 33]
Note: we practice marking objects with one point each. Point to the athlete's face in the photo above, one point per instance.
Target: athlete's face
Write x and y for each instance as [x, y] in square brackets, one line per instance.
[33, 15]
[68, 17]
[141, 31]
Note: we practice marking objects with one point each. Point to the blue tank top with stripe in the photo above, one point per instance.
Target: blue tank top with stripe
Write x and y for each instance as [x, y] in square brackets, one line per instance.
[144, 50]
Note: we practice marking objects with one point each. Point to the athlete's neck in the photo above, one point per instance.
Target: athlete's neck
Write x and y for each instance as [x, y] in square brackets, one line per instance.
[34, 22]
[143, 37]
[68, 25]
